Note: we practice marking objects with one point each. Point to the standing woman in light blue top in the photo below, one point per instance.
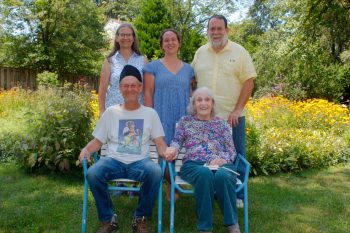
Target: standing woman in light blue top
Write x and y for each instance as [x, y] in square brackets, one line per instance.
[167, 87]
[167, 83]
[126, 51]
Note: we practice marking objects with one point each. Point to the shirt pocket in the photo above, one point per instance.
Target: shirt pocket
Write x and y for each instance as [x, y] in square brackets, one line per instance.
[227, 68]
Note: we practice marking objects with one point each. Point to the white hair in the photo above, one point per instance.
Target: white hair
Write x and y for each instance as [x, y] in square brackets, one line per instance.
[191, 108]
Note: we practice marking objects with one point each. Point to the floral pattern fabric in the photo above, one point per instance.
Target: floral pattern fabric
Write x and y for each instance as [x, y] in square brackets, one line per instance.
[204, 140]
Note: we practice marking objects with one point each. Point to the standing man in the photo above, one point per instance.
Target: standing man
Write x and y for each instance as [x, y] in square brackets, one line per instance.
[126, 158]
[227, 69]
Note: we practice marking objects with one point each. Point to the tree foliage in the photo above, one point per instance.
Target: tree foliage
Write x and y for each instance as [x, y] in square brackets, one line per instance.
[124, 10]
[299, 47]
[55, 35]
[188, 17]
[153, 19]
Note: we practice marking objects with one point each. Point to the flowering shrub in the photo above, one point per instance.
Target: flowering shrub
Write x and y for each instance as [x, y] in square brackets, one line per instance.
[285, 135]
[95, 105]
[47, 129]
[59, 125]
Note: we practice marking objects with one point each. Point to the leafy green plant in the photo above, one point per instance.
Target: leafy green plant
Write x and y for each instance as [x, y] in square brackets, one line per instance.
[47, 79]
[58, 130]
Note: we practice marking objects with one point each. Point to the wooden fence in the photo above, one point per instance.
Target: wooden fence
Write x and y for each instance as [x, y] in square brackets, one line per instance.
[26, 78]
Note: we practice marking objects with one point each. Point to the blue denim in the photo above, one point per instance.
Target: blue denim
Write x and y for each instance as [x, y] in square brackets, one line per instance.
[106, 169]
[239, 140]
[205, 183]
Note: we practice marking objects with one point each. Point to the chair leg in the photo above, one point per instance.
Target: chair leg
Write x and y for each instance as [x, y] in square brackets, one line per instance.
[160, 204]
[246, 226]
[85, 200]
[172, 206]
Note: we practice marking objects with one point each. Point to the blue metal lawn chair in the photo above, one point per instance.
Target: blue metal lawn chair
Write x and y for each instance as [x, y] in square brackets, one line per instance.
[176, 183]
[114, 187]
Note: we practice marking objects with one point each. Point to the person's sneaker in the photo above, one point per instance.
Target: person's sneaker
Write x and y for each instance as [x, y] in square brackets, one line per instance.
[233, 228]
[140, 225]
[109, 227]
[239, 203]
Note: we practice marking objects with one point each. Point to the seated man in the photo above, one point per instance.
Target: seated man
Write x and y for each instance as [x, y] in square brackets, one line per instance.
[127, 153]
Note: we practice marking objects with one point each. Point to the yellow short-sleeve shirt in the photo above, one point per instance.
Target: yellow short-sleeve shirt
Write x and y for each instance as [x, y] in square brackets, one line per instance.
[223, 73]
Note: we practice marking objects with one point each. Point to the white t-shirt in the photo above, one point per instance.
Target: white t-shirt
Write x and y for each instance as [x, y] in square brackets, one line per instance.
[128, 133]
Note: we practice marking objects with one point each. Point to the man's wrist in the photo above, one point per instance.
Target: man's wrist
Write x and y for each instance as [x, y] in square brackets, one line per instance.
[85, 149]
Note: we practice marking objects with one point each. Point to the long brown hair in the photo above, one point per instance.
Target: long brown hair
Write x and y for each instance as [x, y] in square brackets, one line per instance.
[135, 46]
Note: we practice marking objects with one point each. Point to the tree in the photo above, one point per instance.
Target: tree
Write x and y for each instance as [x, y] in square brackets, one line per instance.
[124, 10]
[298, 53]
[64, 36]
[188, 17]
[153, 19]
[329, 19]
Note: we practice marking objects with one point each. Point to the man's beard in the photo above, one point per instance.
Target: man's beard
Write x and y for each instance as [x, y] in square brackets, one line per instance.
[219, 44]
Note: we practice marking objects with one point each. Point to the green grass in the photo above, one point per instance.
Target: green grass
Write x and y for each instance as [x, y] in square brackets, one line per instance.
[310, 201]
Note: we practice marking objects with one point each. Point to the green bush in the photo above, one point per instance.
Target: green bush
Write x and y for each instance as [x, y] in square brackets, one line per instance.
[59, 128]
[8, 144]
[290, 150]
[48, 79]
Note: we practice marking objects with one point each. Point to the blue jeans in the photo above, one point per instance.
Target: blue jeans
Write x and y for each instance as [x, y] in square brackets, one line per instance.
[205, 183]
[106, 169]
[238, 135]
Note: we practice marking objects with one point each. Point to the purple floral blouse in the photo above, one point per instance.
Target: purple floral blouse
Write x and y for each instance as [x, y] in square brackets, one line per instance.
[204, 140]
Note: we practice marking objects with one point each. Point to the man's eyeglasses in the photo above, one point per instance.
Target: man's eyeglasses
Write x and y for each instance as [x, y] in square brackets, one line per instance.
[132, 86]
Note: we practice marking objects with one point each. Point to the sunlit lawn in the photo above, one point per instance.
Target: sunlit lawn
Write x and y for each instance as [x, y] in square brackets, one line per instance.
[311, 201]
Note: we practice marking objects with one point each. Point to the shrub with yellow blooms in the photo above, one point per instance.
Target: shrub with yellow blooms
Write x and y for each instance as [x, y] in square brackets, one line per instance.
[95, 105]
[285, 135]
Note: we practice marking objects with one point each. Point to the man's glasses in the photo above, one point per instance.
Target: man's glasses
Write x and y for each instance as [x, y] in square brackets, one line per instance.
[132, 86]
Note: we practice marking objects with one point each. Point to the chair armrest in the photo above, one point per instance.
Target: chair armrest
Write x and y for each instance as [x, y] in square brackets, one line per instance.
[241, 160]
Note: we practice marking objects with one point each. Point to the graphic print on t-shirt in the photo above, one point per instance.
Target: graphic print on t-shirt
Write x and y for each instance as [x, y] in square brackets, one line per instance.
[130, 136]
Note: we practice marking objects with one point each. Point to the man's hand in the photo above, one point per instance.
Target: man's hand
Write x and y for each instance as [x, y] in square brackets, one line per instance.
[84, 154]
[218, 162]
[170, 153]
[233, 118]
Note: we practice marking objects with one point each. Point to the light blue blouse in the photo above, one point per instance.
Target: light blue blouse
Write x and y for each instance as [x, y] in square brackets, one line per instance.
[171, 94]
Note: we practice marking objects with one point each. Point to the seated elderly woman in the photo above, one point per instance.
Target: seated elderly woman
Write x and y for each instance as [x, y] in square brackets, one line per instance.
[208, 162]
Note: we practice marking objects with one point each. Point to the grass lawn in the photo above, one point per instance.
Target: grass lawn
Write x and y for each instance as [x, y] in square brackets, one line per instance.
[310, 201]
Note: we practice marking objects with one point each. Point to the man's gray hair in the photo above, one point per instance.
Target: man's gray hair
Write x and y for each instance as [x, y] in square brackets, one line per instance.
[191, 108]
